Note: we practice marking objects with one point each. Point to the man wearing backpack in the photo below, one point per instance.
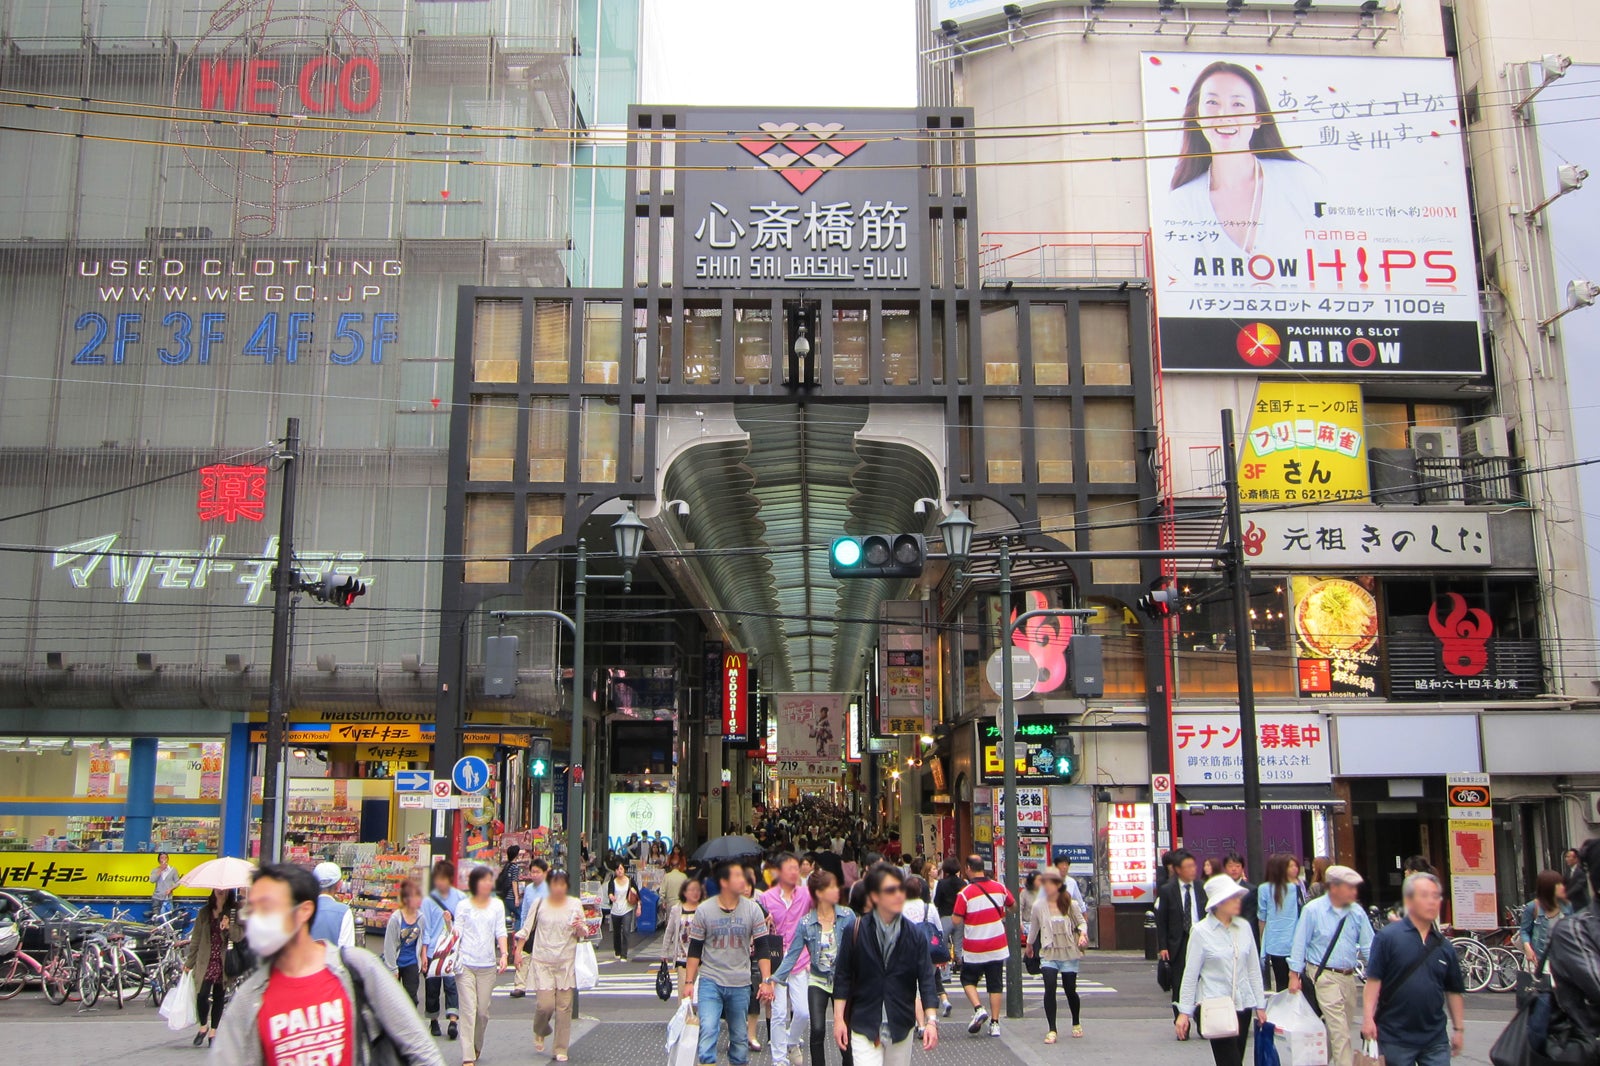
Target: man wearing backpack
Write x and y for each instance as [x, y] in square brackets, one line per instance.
[1412, 974]
[313, 1001]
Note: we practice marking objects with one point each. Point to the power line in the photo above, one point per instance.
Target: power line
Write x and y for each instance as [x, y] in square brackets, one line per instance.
[129, 488]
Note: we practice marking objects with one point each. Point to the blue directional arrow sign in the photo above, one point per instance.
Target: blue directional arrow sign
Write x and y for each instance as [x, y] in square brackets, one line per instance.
[471, 774]
[413, 780]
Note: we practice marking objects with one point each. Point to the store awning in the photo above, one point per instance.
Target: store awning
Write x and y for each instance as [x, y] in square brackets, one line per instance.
[1278, 797]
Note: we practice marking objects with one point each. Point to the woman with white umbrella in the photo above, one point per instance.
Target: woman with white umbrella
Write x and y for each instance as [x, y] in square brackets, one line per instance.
[217, 930]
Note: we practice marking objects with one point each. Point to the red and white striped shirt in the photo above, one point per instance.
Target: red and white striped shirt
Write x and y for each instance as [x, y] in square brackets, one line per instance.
[980, 906]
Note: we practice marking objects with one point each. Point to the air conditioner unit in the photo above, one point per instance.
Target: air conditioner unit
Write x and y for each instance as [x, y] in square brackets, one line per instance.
[1436, 442]
[1591, 806]
[1394, 475]
[1487, 439]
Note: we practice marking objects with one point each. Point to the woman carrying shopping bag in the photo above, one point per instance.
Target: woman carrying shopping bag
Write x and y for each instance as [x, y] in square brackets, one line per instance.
[1058, 933]
[216, 929]
[551, 934]
[1221, 975]
[480, 922]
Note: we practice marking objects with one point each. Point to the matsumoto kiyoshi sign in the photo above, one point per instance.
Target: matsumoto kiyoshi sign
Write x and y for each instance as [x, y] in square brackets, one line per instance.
[800, 199]
[1309, 214]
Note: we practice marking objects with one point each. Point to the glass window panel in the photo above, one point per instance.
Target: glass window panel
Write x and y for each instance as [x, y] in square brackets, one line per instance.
[1000, 344]
[936, 324]
[1002, 440]
[1386, 425]
[544, 519]
[641, 251]
[1057, 518]
[552, 338]
[1205, 644]
[602, 342]
[1052, 438]
[599, 434]
[664, 343]
[492, 438]
[547, 439]
[850, 346]
[900, 348]
[963, 347]
[487, 531]
[1103, 335]
[496, 340]
[1108, 441]
[752, 344]
[664, 250]
[1047, 329]
[1113, 527]
[702, 345]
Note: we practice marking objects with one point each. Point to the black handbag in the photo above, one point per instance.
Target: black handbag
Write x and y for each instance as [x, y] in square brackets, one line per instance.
[1164, 974]
[664, 981]
[1540, 1033]
[237, 960]
[1032, 963]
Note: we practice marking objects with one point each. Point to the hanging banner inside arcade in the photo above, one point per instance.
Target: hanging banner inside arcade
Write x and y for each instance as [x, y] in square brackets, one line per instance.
[810, 733]
[1309, 215]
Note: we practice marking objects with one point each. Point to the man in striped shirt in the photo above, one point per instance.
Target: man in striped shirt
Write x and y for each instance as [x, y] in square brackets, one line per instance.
[980, 912]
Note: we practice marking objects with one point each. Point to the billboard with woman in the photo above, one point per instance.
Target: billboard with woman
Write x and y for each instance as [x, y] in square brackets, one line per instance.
[1309, 215]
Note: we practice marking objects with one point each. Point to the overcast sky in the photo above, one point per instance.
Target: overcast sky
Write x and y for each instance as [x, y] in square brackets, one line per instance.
[826, 53]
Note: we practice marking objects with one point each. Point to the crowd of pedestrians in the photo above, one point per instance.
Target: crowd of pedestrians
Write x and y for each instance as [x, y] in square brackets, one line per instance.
[866, 969]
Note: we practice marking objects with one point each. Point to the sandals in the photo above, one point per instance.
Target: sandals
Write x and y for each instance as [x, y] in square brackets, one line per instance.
[1077, 1032]
[538, 1045]
[1050, 1037]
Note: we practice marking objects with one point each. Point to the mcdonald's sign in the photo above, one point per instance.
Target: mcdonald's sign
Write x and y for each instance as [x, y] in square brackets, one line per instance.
[735, 706]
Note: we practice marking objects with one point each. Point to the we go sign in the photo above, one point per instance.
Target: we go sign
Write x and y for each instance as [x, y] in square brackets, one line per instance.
[269, 86]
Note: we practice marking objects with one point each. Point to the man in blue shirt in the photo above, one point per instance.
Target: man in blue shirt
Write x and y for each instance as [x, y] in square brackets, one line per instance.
[1412, 974]
[532, 892]
[1333, 935]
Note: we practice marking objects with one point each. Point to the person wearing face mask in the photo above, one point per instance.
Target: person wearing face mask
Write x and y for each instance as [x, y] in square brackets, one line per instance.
[311, 1001]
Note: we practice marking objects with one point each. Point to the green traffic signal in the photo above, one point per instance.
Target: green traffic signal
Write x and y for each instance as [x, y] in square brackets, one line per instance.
[846, 551]
[878, 555]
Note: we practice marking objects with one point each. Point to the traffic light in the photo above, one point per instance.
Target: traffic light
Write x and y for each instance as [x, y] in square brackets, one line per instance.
[878, 555]
[539, 759]
[1066, 753]
[500, 666]
[341, 590]
[1160, 601]
[1086, 666]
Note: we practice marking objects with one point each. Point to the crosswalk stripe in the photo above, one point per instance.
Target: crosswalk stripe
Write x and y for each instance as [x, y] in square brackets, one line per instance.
[615, 983]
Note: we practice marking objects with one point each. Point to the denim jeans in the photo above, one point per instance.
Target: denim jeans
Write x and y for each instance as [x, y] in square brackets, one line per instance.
[1436, 1054]
[714, 1003]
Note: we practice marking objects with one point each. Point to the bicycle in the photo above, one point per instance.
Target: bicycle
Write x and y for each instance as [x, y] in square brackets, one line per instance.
[69, 973]
[104, 955]
[16, 970]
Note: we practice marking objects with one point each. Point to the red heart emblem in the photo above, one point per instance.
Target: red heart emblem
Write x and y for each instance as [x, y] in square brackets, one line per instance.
[801, 154]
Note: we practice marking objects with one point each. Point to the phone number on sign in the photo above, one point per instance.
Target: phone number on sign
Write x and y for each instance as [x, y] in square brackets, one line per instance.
[186, 338]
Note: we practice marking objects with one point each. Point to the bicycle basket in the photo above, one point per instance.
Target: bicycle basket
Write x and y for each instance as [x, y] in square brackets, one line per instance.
[10, 940]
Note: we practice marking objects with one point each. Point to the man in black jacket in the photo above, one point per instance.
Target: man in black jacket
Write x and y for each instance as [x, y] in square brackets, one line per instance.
[882, 971]
[1577, 883]
[1180, 903]
[1574, 955]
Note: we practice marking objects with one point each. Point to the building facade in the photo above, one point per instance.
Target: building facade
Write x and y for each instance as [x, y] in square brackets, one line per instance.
[1418, 575]
[215, 218]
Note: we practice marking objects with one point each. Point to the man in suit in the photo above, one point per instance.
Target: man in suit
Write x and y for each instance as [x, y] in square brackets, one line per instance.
[1180, 903]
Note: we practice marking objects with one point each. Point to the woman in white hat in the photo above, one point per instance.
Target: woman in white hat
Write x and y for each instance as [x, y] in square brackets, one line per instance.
[1221, 977]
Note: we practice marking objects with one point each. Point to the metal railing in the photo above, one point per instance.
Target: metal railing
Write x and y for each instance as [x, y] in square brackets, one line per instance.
[1063, 257]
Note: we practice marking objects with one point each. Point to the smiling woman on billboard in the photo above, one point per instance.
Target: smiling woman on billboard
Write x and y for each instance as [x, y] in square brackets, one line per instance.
[1234, 171]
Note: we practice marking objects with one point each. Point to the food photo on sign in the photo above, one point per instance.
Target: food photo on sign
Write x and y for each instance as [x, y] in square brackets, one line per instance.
[1336, 635]
[1309, 213]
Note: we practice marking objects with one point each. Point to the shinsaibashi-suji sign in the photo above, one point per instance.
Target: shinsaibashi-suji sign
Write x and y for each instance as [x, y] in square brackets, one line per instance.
[790, 199]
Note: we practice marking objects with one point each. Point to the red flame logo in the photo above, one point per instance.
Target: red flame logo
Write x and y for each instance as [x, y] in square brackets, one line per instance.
[1254, 538]
[1045, 640]
[1463, 636]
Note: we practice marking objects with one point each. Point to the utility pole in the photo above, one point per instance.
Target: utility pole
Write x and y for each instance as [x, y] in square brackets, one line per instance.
[1239, 576]
[1008, 757]
[575, 754]
[285, 587]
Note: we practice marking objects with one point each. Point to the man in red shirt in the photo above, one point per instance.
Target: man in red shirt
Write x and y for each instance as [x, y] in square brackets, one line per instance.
[311, 1004]
[980, 912]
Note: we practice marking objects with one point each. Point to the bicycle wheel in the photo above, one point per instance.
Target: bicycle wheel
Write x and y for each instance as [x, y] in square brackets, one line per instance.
[134, 975]
[89, 976]
[13, 975]
[1477, 964]
[57, 978]
[1507, 965]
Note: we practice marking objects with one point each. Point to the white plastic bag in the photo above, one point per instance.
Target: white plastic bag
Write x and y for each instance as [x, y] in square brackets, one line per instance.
[179, 1006]
[587, 967]
[1291, 1013]
[688, 1050]
[1308, 1049]
[675, 1029]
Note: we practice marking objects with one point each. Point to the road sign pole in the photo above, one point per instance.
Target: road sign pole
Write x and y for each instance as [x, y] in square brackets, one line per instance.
[1239, 577]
